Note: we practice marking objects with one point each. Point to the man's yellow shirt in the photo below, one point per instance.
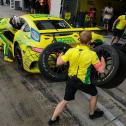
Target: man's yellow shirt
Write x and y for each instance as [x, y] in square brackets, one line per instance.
[122, 22]
[80, 60]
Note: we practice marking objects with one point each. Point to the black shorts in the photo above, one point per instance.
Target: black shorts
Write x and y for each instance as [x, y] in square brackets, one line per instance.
[106, 21]
[74, 84]
[118, 33]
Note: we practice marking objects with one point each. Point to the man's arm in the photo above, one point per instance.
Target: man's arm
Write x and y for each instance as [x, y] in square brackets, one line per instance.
[100, 66]
[59, 60]
[115, 23]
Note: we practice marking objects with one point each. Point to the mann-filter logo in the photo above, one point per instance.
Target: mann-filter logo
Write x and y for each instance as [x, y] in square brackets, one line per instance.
[66, 40]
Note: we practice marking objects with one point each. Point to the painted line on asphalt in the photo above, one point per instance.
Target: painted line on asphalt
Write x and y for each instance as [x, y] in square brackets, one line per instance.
[108, 114]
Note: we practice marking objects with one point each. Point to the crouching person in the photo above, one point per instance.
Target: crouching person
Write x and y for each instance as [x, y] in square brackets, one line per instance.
[8, 24]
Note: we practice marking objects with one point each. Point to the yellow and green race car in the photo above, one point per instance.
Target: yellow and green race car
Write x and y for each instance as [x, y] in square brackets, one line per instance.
[37, 31]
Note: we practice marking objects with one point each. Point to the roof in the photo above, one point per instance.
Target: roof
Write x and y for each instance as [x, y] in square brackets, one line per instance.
[40, 17]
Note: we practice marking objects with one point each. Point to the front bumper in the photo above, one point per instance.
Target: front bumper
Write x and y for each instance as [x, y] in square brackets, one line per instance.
[30, 61]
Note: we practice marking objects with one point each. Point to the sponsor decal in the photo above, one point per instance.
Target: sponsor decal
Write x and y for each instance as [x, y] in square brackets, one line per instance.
[68, 40]
[35, 35]
[39, 15]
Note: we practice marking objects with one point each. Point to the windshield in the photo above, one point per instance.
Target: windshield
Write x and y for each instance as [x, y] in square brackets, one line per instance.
[51, 24]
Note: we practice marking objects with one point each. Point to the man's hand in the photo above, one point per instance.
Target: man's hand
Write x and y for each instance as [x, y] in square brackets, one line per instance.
[103, 62]
[100, 66]
[62, 53]
[59, 60]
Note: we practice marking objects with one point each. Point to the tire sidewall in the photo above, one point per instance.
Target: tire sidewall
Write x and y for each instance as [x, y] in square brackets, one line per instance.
[43, 64]
[115, 64]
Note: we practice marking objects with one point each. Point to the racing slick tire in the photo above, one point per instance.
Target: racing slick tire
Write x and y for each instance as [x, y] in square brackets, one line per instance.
[18, 57]
[112, 64]
[120, 46]
[96, 43]
[47, 62]
[121, 72]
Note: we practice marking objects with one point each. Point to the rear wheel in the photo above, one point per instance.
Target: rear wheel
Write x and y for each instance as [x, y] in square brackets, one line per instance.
[47, 62]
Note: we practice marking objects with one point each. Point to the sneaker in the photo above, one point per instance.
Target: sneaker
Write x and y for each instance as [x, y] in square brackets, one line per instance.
[51, 122]
[7, 59]
[97, 114]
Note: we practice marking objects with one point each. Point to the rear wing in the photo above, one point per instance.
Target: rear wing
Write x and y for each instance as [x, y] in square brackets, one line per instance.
[35, 34]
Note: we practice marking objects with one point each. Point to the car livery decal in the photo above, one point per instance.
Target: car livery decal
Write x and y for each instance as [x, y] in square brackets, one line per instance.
[39, 15]
[68, 40]
[35, 35]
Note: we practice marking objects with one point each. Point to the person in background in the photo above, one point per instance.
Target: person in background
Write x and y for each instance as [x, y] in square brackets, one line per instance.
[9, 24]
[107, 15]
[32, 6]
[92, 16]
[86, 19]
[67, 14]
[80, 59]
[27, 5]
[7, 2]
[118, 28]
[2, 3]
[46, 7]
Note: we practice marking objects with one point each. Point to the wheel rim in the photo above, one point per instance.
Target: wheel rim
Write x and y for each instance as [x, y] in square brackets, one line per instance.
[96, 77]
[61, 70]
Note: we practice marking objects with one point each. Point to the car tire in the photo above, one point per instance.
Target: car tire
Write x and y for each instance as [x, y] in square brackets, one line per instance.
[47, 62]
[112, 64]
[96, 43]
[18, 57]
[120, 46]
[121, 72]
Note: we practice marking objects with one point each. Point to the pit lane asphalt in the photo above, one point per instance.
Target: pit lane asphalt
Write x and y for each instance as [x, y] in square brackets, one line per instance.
[29, 99]
[24, 101]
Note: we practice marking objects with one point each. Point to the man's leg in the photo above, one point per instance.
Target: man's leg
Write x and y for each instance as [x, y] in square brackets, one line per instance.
[113, 39]
[69, 95]
[1, 45]
[92, 91]
[94, 113]
[92, 104]
[59, 109]
[6, 49]
[117, 39]
[107, 28]
[2, 3]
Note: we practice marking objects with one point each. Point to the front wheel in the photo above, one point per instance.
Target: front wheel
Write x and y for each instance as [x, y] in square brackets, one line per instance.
[18, 56]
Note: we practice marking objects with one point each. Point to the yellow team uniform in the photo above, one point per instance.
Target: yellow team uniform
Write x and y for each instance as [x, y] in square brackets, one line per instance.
[80, 62]
[5, 24]
[122, 22]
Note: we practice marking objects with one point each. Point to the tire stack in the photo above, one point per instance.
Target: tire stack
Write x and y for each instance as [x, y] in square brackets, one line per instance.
[115, 70]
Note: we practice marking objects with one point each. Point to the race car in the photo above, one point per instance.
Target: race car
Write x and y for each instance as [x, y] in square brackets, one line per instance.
[37, 31]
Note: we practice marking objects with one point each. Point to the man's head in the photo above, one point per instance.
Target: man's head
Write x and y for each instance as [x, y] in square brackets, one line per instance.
[85, 37]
